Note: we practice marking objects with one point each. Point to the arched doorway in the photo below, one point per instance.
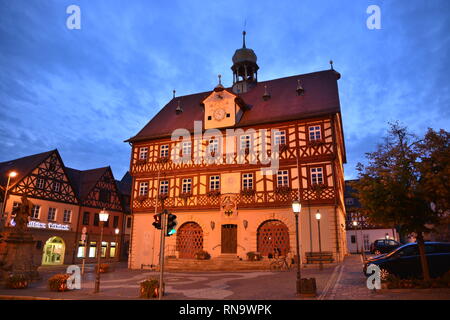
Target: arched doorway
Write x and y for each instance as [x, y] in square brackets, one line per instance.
[273, 234]
[189, 240]
[54, 251]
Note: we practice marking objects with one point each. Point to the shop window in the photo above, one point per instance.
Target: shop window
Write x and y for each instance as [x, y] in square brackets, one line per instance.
[112, 250]
[104, 248]
[81, 253]
[92, 249]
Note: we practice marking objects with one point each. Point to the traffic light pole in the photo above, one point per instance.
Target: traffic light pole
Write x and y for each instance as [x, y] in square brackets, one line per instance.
[161, 252]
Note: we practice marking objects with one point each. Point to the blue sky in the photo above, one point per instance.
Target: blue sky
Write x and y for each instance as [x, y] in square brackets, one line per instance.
[85, 91]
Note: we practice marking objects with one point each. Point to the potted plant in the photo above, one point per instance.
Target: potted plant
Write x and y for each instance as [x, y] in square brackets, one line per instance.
[185, 195]
[17, 281]
[248, 192]
[104, 267]
[162, 160]
[202, 255]
[318, 187]
[58, 282]
[283, 190]
[149, 288]
[254, 256]
[213, 193]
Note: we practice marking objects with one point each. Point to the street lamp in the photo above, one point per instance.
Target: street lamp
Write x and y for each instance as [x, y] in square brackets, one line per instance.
[318, 216]
[117, 231]
[12, 174]
[103, 217]
[297, 207]
[355, 224]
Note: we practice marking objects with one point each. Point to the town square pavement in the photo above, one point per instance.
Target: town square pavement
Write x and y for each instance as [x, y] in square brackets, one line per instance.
[344, 281]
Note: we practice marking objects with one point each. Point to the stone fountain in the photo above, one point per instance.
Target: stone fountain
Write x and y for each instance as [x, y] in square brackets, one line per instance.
[17, 249]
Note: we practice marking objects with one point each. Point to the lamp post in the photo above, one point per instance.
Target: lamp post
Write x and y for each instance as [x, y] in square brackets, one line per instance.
[117, 231]
[318, 216]
[103, 217]
[12, 174]
[355, 224]
[297, 207]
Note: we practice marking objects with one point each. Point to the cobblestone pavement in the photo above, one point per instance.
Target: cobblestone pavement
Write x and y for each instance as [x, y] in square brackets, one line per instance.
[124, 284]
[344, 281]
[349, 283]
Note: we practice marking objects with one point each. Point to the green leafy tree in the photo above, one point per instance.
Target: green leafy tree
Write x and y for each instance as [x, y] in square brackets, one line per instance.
[394, 189]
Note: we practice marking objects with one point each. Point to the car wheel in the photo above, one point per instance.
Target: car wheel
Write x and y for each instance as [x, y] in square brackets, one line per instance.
[377, 252]
[384, 274]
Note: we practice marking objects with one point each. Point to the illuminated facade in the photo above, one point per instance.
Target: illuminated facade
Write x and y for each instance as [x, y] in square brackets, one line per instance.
[61, 196]
[229, 163]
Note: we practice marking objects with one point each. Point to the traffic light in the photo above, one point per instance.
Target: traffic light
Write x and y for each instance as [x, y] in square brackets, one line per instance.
[157, 223]
[171, 224]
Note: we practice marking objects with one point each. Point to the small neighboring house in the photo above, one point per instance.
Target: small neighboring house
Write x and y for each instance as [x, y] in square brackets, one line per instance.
[363, 233]
[61, 197]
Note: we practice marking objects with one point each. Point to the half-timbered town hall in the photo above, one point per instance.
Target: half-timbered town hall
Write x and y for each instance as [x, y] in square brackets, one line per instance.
[229, 163]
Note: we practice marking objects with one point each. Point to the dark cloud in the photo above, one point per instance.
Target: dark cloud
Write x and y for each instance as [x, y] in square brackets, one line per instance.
[85, 91]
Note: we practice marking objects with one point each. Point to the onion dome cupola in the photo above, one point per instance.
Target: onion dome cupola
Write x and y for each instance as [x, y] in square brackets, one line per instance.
[245, 69]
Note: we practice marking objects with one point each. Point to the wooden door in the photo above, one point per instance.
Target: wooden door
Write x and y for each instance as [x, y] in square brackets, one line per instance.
[229, 238]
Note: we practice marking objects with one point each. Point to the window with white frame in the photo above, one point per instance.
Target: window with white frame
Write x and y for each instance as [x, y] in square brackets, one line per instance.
[214, 183]
[51, 216]
[35, 211]
[104, 248]
[186, 186]
[247, 181]
[279, 137]
[213, 146]
[143, 188]
[143, 153]
[67, 215]
[314, 133]
[186, 148]
[317, 175]
[112, 249]
[282, 178]
[245, 141]
[40, 183]
[56, 186]
[164, 151]
[81, 249]
[164, 187]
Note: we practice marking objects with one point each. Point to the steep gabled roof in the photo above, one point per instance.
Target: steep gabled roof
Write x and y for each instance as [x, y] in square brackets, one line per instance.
[321, 97]
[84, 181]
[23, 166]
[125, 184]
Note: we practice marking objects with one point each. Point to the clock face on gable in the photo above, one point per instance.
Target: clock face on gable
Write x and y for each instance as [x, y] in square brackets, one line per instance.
[219, 114]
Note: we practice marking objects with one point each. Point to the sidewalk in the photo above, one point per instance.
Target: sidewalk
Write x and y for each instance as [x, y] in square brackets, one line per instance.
[349, 283]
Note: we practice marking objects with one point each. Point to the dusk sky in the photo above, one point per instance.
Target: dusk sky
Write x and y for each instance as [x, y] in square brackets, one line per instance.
[86, 91]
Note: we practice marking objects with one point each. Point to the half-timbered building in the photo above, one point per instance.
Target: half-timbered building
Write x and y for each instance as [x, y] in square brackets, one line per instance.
[229, 163]
[66, 203]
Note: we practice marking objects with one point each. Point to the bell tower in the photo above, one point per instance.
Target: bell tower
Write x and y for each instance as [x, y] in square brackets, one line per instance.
[245, 69]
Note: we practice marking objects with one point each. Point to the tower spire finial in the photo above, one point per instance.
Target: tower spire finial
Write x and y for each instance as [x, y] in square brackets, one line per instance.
[243, 39]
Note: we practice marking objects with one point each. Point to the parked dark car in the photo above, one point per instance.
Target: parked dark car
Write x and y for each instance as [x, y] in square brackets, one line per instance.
[404, 262]
[384, 246]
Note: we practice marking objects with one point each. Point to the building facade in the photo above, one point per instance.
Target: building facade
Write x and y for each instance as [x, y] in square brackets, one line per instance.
[230, 162]
[62, 198]
[360, 233]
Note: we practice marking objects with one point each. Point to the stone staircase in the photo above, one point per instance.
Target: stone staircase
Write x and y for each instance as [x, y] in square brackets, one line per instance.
[223, 262]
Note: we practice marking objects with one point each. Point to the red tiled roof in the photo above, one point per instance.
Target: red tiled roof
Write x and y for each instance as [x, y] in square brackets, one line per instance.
[321, 97]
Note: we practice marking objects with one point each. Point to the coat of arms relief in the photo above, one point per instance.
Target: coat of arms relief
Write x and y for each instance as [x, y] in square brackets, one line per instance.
[228, 204]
